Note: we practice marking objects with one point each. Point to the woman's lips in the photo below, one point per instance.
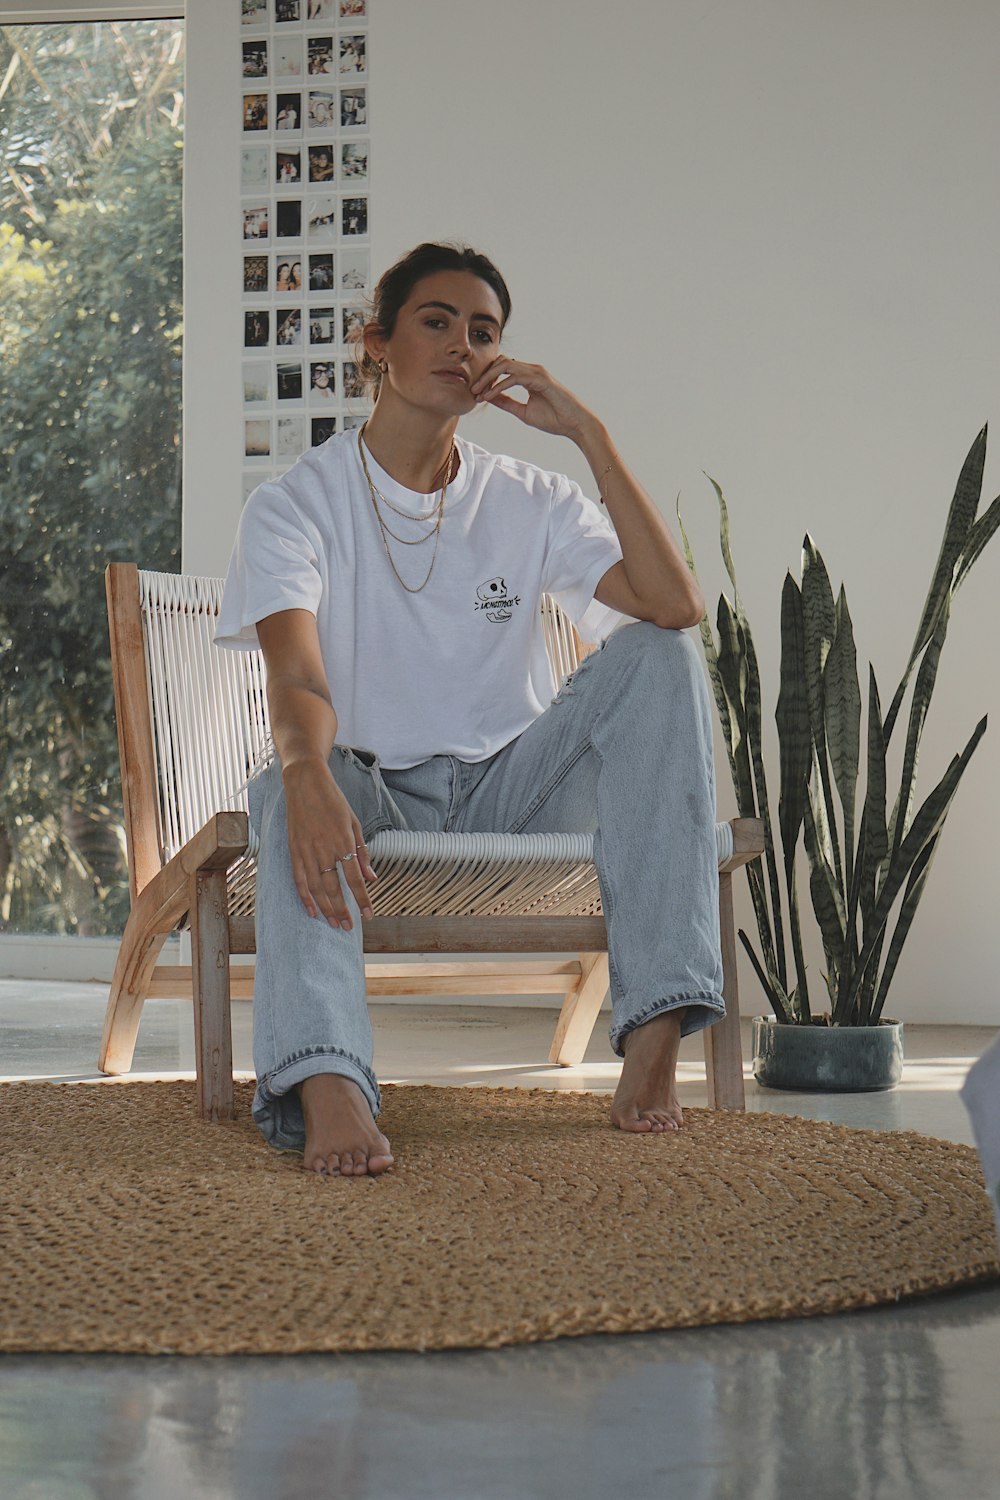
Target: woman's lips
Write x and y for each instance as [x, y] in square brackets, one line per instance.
[452, 375]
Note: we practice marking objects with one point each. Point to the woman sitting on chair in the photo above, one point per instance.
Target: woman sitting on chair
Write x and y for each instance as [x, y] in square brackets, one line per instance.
[409, 691]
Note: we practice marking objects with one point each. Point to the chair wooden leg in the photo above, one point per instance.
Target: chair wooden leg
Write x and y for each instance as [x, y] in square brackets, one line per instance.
[723, 1043]
[213, 1038]
[130, 985]
[580, 1010]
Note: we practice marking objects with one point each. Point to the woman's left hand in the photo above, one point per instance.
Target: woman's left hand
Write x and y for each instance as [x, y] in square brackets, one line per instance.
[550, 406]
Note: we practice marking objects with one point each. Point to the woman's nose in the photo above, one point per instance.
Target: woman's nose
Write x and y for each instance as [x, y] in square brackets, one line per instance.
[460, 340]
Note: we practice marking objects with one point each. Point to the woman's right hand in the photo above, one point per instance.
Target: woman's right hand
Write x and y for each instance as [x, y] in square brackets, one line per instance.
[322, 827]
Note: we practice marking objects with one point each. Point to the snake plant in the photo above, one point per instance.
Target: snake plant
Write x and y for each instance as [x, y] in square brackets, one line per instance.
[855, 876]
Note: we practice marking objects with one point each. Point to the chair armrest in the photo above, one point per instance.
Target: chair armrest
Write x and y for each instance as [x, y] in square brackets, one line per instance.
[218, 844]
[748, 843]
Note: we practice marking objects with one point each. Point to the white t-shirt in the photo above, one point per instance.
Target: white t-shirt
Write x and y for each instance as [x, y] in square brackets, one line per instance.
[460, 667]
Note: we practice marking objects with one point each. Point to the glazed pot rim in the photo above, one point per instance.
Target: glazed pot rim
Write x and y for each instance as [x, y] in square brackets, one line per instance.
[808, 1025]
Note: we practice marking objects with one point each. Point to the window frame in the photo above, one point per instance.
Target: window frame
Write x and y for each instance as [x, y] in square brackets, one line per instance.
[74, 11]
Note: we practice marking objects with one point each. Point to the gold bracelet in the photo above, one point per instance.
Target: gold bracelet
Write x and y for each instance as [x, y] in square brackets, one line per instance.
[606, 471]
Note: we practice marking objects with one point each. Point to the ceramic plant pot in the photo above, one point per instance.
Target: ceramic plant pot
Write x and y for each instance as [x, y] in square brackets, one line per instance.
[828, 1059]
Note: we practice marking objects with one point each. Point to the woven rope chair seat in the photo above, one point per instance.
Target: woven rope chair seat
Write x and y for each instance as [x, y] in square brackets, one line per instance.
[474, 874]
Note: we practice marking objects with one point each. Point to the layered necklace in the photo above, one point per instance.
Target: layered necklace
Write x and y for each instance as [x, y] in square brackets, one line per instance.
[438, 511]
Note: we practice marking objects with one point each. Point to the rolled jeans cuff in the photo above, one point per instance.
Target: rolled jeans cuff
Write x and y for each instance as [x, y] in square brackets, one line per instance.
[277, 1107]
[702, 1009]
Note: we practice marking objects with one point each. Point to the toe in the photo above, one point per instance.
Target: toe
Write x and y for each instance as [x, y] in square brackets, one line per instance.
[626, 1117]
[360, 1162]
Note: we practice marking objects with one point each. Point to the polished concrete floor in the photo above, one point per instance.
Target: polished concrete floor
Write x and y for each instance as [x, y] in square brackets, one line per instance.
[894, 1403]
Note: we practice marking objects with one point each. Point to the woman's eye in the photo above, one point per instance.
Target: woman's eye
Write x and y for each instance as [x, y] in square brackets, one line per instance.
[434, 322]
[485, 335]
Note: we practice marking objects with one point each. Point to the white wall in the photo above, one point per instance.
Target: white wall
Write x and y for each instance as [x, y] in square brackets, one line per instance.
[760, 241]
[213, 336]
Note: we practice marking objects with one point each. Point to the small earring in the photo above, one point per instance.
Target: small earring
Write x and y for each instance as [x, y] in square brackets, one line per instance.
[383, 366]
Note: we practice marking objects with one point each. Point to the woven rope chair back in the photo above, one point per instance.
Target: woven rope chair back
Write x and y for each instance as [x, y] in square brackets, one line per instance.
[208, 706]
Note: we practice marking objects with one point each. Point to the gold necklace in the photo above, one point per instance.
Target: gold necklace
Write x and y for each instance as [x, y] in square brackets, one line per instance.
[382, 526]
[409, 514]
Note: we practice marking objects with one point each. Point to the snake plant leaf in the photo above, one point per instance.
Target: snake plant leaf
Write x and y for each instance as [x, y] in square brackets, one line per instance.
[744, 782]
[732, 670]
[876, 837]
[773, 989]
[727, 556]
[911, 898]
[961, 516]
[819, 616]
[849, 965]
[976, 541]
[926, 825]
[774, 948]
[842, 701]
[800, 994]
[712, 659]
[792, 719]
[730, 729]
[758, 895]
[872, 840]
[795, 760]
[823, 887]
[923, 688]
[817, 807]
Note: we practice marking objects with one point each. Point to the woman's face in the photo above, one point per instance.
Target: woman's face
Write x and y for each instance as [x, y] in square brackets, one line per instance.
[446, 334]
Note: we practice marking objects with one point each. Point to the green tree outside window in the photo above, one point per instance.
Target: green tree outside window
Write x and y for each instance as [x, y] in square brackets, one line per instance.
[90, 420]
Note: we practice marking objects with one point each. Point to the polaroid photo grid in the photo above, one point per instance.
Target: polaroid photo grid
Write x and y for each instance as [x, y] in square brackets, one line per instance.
[304, 224]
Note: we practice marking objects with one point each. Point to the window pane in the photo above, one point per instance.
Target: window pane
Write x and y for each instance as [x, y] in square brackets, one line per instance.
[90, 398]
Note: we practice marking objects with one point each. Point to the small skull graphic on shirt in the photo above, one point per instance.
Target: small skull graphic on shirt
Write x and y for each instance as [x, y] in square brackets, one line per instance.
[493, 597]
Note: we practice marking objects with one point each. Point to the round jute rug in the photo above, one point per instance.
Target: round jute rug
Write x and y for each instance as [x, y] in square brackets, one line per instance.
[509, 1216]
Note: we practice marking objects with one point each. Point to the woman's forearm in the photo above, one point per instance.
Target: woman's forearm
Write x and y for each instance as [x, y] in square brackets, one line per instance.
[303, 723]
[654, 563]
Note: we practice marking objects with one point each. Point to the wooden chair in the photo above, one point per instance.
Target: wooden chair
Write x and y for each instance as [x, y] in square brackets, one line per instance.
[192, 720]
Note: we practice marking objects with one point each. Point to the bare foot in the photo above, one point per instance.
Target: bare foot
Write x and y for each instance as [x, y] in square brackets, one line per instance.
[342, 1139]
[646, 1096]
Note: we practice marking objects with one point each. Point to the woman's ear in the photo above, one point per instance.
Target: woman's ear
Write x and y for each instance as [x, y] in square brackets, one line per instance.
[373, 341]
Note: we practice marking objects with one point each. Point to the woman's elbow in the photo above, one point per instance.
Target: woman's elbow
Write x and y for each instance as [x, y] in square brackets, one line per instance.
[684, 614]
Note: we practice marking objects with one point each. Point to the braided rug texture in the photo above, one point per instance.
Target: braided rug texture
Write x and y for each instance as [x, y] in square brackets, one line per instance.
[509, 1216]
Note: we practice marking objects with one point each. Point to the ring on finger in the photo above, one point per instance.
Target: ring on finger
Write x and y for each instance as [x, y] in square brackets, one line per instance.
[342, 860]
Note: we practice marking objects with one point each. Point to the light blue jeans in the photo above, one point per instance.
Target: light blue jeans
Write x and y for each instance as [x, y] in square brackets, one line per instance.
[623, 751]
